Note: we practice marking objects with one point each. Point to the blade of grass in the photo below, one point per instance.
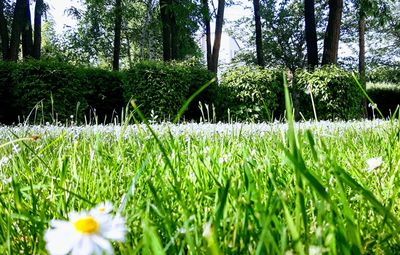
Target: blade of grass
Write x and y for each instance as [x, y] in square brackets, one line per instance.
[195, 94]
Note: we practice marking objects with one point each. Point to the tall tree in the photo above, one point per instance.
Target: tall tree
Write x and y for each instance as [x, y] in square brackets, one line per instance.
[168, 29]
[207, 27]
[217, 36]
[117, 34]
[259, 47]
[27, 42]
[5, 40]
[16, 29]
[361, 45]
[311, 34]
[37, 38]
[332, 34]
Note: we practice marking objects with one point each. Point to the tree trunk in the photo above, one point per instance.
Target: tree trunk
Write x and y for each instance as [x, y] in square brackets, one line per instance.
[166, 29]
[145, 31]
[361, 55]
[311, 34]
[5, 40]
[207, 26]
[332, 34]
[37, 40]
[174, 35]
[117, 34]
[27, 42]
[218, 34]
[259, 47]
[16, 30]
[361, 45]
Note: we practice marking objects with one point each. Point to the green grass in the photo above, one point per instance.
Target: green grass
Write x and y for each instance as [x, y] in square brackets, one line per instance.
[260, 188]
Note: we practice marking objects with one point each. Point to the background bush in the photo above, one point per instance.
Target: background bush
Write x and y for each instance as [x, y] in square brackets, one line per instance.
[103, 94]
[6, 104]
[250, 93]
[386, 96]
[49, 90]
[161, 89]
[335, 92]
[384, 74]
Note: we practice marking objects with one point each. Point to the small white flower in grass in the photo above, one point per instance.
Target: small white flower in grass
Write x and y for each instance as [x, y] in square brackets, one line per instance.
[208, 230]
[16, 149]
[4, 161]
[86, 233]
[374, 163]
[224, 158]
[316, 250]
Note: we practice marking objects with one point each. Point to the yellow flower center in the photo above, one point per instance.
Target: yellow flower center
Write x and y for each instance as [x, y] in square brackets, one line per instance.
[102, 209]
[86, 225]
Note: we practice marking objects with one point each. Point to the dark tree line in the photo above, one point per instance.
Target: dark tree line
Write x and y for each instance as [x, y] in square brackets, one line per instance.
[21, 30]
[178, 21]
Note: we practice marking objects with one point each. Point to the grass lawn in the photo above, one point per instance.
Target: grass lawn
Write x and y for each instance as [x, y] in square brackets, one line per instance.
[208, 188]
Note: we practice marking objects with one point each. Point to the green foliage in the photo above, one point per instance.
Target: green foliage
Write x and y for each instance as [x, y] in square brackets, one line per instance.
[384, 74]
[103, 93]
[50, 90]
[251, 93]
[334, 91]
[6, 109]
[160, 88]
[386, 96]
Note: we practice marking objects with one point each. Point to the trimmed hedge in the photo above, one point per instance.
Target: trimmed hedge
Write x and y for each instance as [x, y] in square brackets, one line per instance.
[384, 74]
[54, 90]
[335, 92]
[41, 91]
[251, 94]
[103, 94]
[47, 91]
[6, 103]
[161, 89]
[386, 96]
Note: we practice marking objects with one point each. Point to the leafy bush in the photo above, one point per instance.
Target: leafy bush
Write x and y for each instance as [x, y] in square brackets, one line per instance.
[386, 96]
[49, 90]
[384, 74]
[335, 93]
[103, 93]
[251, 93]
[6, 103]
[161, 89]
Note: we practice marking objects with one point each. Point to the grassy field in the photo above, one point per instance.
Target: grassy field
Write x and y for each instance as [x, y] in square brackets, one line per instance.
[208, 188]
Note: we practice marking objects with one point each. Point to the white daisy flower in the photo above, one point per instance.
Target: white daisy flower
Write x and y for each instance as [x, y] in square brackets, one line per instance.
[85, 233]
[104, 207]
[374, 163]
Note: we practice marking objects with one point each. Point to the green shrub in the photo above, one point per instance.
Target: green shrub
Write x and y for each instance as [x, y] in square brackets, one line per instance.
[161, 89]
[6, 104]
[335, 94]
[384, 74]
[48, 91]
[386, 96]
[251, 93]
[103, 93]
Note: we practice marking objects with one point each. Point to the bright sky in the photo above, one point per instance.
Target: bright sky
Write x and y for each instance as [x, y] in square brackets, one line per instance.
[57, 11]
